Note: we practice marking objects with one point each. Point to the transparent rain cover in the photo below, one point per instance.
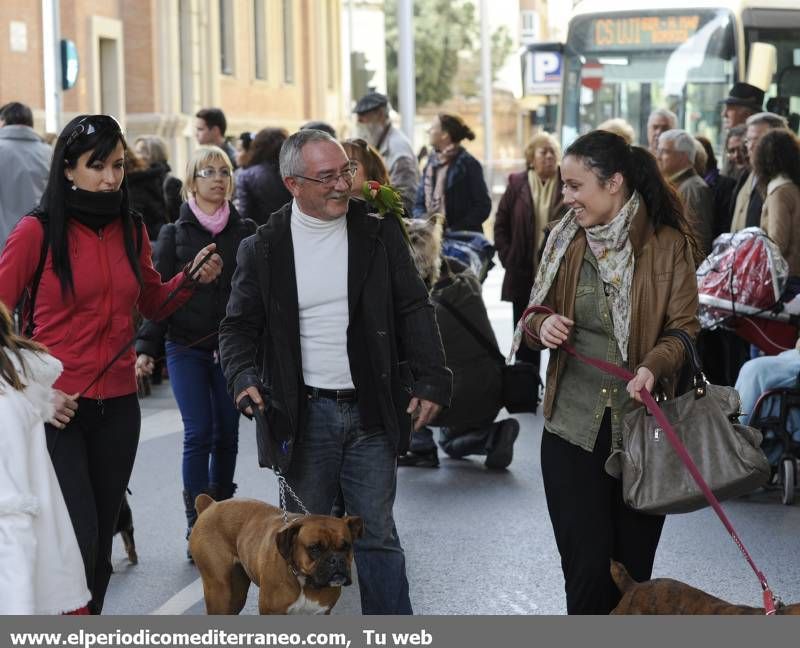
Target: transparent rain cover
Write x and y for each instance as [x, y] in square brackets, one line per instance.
[745, 274]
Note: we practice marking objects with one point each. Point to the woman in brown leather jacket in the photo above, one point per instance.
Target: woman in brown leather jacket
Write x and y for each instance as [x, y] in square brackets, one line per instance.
[617, 270]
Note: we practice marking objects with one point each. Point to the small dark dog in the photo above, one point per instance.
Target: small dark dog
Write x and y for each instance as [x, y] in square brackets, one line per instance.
[125, 530]
[668, 596]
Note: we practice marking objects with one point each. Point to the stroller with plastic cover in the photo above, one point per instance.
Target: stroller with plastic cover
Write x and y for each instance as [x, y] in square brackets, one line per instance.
[744, 287]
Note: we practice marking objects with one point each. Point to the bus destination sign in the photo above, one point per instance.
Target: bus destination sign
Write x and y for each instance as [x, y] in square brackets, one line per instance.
[640, 32]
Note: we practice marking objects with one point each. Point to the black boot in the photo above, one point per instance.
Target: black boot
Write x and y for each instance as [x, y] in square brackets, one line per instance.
[220, 492]
[191, 516]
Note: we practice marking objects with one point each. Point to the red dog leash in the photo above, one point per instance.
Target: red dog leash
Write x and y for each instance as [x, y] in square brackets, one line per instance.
[675, 442]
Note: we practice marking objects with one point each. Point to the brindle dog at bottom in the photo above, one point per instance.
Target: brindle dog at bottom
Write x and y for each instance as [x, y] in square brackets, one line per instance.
[668, 596]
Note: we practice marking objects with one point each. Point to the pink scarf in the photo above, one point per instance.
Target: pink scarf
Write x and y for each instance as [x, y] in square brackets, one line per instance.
[214, 223]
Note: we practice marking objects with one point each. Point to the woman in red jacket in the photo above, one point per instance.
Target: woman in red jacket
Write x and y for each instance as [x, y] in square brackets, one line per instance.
[97, 269]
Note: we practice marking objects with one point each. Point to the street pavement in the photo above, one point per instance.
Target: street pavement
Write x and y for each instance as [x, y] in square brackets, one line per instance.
[476, 541]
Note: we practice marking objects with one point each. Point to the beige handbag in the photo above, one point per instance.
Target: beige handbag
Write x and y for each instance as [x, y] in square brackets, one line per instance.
[727, 454]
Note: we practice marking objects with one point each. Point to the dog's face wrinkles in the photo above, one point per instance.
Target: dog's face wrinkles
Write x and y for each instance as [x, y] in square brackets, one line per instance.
[323, 553]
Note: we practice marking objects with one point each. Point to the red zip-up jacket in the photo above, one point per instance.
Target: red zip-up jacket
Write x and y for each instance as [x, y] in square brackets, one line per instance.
[86, 329]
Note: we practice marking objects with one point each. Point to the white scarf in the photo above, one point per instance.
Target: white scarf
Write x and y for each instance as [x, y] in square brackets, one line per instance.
[613, 250]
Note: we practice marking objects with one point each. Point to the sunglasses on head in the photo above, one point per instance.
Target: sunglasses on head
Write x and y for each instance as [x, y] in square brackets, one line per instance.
[90, 125]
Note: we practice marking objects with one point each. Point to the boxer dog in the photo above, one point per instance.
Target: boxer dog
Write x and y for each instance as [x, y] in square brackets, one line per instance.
[667, 596]
[299, 566]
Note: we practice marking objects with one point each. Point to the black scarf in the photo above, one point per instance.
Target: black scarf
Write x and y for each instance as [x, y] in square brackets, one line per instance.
[95, 209]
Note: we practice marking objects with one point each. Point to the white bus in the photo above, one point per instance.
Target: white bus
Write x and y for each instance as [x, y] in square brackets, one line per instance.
[625, 58]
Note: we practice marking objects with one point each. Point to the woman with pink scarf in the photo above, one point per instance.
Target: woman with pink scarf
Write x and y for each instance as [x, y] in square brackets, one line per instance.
[210, 420]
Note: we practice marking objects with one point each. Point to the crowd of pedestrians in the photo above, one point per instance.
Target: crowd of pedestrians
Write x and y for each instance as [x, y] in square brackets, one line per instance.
[268, 276]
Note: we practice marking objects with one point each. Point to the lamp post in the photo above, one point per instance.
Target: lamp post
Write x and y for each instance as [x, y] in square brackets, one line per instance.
[406, 82]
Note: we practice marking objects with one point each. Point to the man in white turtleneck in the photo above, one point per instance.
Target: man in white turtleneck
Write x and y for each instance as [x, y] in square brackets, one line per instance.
[331, 294]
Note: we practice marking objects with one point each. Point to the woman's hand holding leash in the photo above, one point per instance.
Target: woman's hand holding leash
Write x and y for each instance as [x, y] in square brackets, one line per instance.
[555, 330]
[144, 365]
[644, 379]
[212, 268]
[66, 406]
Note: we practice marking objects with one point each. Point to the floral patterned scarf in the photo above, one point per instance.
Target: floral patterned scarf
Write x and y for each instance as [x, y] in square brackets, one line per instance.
[613, 250]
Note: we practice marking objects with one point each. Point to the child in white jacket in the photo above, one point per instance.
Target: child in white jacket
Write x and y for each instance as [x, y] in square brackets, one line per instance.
[41, 570]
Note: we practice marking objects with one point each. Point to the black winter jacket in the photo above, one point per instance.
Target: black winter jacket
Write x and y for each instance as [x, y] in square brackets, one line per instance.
[146, 195]
[391, 319]
[477, 374]
[178, 244]
[466, 198]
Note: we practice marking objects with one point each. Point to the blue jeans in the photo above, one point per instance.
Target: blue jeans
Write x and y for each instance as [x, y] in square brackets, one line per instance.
[335, 454]
[767, 372]
[210, 419]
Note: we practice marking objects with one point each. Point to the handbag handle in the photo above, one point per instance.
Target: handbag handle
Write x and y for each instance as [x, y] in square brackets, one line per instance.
[699, 380]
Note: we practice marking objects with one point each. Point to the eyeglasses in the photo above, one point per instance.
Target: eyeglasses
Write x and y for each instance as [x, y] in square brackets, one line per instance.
[332, 179]
[90, 125]
[210, 172]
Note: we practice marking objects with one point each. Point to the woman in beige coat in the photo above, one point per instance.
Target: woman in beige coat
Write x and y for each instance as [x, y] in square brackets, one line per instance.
[777, 166]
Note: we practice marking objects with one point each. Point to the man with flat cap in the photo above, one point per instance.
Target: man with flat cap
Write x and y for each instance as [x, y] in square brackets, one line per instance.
[376, 128]
[742, 101]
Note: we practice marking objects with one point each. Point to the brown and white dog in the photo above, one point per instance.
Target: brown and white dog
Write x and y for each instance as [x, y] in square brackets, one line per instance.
[668, 596]
[299, 567]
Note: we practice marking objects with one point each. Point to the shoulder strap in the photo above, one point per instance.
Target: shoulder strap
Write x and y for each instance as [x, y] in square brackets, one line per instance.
[37, 277]
[471, 328]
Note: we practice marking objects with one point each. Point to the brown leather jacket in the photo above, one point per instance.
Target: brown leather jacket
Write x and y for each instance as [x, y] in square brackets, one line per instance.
[664, 297]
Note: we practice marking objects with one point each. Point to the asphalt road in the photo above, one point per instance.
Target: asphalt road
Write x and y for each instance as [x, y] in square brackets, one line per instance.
[476, 542]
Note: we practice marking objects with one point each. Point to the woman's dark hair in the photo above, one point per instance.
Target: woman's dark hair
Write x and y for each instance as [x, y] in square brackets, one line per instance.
[10, 342]
[266, 146]
[99, 134]
[711, 159]
[368, 156]
[606, 154]
[455, 127]
[777, 154]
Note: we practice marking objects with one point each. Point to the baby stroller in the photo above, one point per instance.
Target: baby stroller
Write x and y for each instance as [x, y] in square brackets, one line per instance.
[744, 287]
[470, 248]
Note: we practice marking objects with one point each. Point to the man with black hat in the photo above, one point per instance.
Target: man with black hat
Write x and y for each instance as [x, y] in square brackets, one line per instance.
[376, 128]
[743, 100]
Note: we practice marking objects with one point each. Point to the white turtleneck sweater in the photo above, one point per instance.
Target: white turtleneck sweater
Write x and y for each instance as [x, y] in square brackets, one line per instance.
[320, 261]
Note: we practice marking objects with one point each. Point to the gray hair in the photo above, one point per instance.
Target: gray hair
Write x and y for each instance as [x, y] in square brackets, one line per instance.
[664, 112]
[737, 131]
[291, 156]
[682, 140]
[769, 119]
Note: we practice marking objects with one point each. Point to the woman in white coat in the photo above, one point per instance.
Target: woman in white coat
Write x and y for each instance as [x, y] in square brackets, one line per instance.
[41, 570]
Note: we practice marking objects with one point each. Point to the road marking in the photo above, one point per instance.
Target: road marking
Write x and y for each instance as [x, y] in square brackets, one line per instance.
[161, 423]
[183, 600]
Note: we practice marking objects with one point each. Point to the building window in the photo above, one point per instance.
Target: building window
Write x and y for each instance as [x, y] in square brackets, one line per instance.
[226, 36]
[288, 42]
[260, 39]
[530, 27]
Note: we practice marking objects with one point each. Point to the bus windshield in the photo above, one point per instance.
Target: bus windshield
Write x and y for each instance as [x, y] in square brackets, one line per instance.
[627, 65]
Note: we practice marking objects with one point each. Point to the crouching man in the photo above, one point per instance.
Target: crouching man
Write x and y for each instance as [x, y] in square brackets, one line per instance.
[468, 426]
[325, 303]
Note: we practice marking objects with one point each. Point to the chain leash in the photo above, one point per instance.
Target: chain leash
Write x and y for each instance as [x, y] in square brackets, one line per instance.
[283, 489]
